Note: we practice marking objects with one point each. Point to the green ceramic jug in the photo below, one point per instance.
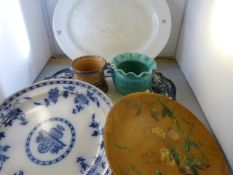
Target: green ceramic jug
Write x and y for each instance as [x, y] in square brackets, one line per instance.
[132, 72]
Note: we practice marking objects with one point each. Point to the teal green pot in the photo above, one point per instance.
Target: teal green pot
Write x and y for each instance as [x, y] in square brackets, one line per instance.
[132, 72]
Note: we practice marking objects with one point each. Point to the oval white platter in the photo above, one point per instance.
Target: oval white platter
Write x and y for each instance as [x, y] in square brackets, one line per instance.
[54, 127]
[108, 28]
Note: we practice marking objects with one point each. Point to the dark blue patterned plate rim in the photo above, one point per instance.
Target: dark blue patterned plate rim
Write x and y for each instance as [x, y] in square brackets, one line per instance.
[9, 103]
[19, 93]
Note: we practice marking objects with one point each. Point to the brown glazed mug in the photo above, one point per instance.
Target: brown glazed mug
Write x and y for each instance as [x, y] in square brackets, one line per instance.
[90, 69]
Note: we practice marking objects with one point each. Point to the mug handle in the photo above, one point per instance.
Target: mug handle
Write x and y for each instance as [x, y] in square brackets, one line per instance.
[162, 85]
[68, 74]
[108, 71]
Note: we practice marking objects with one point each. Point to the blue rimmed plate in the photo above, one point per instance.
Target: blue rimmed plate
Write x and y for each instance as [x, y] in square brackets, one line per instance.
[54, 127]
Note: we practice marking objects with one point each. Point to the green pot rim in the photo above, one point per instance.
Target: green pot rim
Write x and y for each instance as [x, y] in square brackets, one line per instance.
[142, 58]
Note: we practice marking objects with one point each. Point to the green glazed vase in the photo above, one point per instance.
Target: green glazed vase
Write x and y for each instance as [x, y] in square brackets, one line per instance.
[132, 72]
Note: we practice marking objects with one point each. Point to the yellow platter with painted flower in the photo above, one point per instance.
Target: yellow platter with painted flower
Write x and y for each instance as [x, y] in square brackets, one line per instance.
[148, 134]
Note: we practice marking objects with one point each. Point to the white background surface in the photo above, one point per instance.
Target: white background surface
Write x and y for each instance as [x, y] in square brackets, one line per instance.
[24, 45]
[176, 7]
[205, 56]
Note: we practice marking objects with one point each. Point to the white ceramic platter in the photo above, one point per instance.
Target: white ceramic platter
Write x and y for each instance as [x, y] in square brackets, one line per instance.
[108, 28]
[54, 127]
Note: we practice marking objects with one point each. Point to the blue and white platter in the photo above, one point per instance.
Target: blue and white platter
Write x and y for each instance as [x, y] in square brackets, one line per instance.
[54, 127]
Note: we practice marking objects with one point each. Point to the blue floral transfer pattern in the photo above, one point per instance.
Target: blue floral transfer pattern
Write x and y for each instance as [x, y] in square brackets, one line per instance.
[14, 114]
[99, 164]
[103, 165]
[3, 155]
[95, 125]
[8, 103]
[81, 100]
[53, 95]
[68, 90]
[50, 142]
[2, 135]
[93, 98]
[83, 165]
[85, 168]
[7, 119]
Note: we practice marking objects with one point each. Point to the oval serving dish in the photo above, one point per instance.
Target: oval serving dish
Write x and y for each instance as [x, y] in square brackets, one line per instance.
[146, 133]
[107, 28]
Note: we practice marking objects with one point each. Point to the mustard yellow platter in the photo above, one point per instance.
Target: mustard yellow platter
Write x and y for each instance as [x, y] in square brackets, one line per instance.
[149, 134]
